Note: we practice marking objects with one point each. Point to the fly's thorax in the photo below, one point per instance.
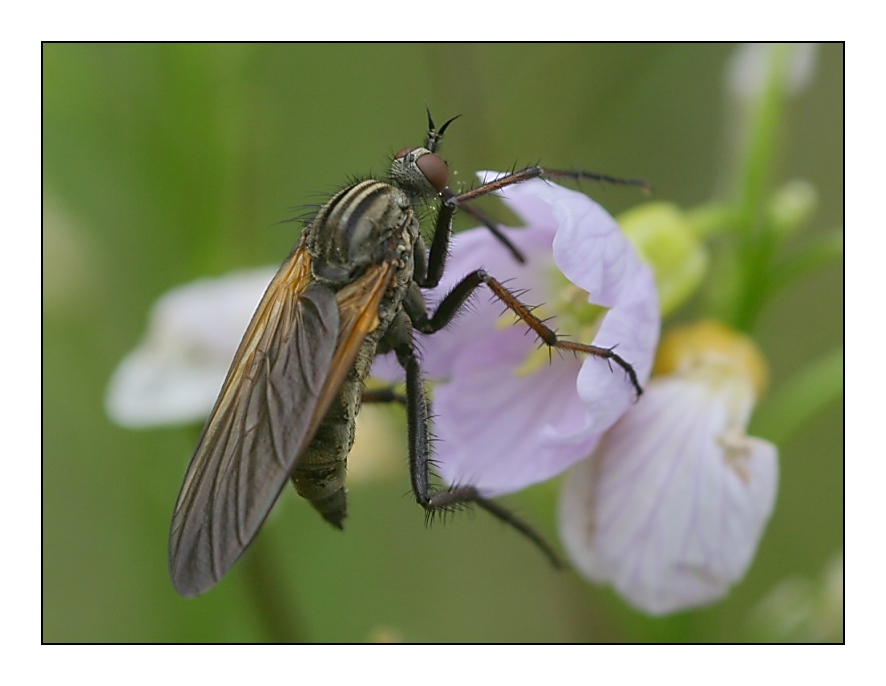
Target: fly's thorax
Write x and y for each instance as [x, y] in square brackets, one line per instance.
[357, 228]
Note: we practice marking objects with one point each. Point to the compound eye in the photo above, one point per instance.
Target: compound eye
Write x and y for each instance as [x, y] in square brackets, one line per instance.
[404, 152]
[435, 170]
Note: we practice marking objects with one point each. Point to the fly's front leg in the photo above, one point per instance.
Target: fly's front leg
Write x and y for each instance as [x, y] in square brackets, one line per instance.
[453, 201]
[418, 420]
[536, 172]
[430, 276]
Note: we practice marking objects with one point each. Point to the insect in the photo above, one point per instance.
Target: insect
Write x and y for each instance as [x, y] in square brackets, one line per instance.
[350, 289]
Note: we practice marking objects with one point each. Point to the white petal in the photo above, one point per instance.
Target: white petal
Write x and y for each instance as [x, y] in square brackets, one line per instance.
[671, 507]
[174, 375]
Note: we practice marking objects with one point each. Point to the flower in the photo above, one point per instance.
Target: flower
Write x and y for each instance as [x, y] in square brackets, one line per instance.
[174, 375]
[749, 68]
[506, 416]
[671, 506]
[802, 610]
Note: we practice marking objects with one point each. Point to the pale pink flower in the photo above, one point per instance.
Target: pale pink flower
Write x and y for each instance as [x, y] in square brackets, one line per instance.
[504, 419]
[670, 508]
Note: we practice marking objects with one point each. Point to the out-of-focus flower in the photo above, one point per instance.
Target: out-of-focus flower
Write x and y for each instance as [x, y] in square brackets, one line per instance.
[791, 206]
[508, 416]
[805, 610]
[174, 375]
[670, 508]
[749, 69]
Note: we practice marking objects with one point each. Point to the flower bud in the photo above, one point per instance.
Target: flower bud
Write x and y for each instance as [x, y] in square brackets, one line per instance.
[664, 238]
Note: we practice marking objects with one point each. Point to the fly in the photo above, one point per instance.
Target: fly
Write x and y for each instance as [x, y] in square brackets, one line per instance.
[351, 289]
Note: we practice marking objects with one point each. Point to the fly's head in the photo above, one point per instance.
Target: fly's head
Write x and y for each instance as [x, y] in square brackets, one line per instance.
[420, 173]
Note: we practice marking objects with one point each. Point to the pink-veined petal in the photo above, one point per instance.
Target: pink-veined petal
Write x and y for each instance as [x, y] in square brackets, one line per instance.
[589, 247]
[671, 507]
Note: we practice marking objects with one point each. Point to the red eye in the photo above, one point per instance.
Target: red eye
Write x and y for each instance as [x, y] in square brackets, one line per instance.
[404, 152]
[435, 170]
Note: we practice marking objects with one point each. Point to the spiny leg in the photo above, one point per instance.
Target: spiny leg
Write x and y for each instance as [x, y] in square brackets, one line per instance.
[417, 412]
[439, 248]
[432, 143]
[456, 298]
[433, 268]
[536, 172]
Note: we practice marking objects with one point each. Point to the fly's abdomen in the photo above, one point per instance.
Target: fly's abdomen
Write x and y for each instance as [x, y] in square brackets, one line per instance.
[365, 223]
[319, 476]
[323, 485]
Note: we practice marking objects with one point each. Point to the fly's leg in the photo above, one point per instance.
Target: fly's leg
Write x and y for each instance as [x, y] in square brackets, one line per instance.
[417, 411]
[456, 298]
[495, 228]
[432, 143]
[453, 201]
[429, 272]
[536, 172]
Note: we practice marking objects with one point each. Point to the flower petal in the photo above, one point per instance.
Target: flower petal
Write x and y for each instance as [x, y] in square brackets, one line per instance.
[589, 248]
[174, 375]
[491, 421]
[671, 507]
[631, 328]
[502, 430]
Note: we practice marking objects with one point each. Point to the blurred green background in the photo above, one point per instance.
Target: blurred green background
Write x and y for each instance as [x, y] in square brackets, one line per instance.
[165, 163]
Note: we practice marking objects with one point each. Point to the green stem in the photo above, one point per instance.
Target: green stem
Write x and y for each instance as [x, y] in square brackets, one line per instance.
[763, 132]
[757, 241]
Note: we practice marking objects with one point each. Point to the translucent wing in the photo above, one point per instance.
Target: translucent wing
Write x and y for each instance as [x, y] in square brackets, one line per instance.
[358, 315]
[287, 369]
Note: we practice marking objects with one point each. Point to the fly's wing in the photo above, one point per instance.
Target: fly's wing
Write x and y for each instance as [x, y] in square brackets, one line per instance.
[256, 429]
[358, 314]
[284, 374]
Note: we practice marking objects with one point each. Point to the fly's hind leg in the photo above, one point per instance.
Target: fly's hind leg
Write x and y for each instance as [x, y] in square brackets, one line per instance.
[420, 462]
